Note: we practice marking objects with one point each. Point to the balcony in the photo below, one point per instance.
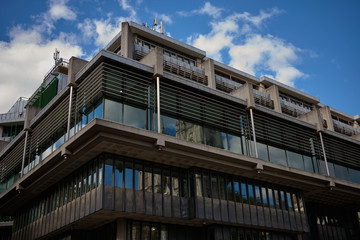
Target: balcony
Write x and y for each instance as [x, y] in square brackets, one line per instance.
[293, 109]
[344, 128]
[185, 70]
[141, 51]
[263, 99]
[225, 84]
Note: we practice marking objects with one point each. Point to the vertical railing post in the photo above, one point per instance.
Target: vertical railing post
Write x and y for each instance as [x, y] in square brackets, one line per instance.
[323, 149]
[253, 132]
[158, 103]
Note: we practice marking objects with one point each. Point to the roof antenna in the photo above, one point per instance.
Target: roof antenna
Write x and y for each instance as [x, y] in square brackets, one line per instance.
[161, 27]
[155, 23]
[56, 57]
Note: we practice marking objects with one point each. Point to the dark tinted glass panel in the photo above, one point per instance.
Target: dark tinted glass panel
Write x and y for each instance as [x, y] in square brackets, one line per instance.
[175, 185]
[155, 232]
[277, 155]
[113, 110]
[331, 169]
[234, 143]
[271, 198]
[295, 202]
[251, 194]
[289, 202]
[135, 117]
[100, 172]
[138, 173]
[170, 126]
[148, 178]
[244, 193]
[184, 185]
[295, 160]
[119, 171]
[108, 172]
[198, 185]
[213, 138]
[237, 191]
[98, 111]
[191, 132]
[264, 197]
[166, 182]
[145, 232]
[257, 195]
[262, 151]
[136, 231]
[308, 164]
[214, 187]
[282, 199]
[277, 199]
[157, 180]
[128, 175]
[229, 189]
[341, 172]
[206, 185]
[222, 188]
[354, 175]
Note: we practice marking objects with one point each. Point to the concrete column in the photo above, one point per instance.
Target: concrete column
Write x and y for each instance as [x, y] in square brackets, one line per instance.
[245, 92]
[75, 65]
[208, 66]
[273, 91]
[127, 41]
[155, 59]
[121, 229]
[313, 117]
[326, 115]
[1, 131]
[31, 112]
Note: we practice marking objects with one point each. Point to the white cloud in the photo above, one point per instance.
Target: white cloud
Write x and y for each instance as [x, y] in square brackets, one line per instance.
[207, 9]
[25, 59]
[237, 36]
[58, 10]
[127, 7]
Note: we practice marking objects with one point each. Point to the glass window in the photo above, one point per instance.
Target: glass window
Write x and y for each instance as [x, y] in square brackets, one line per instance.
[308, 163]
[191, 132]
[271, 198]
[229, 189]
[100, 172]
[277, 155]
[213, 138]
[289, 202]
[119, 171]
[98, 111]
[295, 160]
[135, 117]
[214, 186]
[89, 184]
[157, 180]
[234, 143]
[257, 196]
[166, 182]
[295, 202]
[84, 183]
[237, 191]
[354, 175]
[251, 194]
[170, 126]
[164, 233]
[184, 185]
[145, 232]
[244, 193]
[206, 185]
[322, 167]
[198, 184]
[222, 188]
[90, 115]
[128, 174]
[282, 199]
[331, 169]
[138, 177]
[277, 199]
[113, 110]
[108, 172]
[148, 178]
[135, 231]
[155, 231]
[175, 183]
[262, 151]
[264, 197]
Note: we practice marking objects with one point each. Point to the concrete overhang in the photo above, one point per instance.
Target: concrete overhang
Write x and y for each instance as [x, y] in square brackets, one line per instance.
[290, 90]
[357, 117]
[110, 57]
[106, 136]
[114, 43]
[166, 41]
[342, 114]
[235, 72]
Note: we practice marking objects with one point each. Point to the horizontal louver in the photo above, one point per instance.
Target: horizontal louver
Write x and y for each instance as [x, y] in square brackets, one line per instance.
[9, 162]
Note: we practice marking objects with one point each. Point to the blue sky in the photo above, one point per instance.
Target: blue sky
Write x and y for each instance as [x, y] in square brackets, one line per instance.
[310, 45]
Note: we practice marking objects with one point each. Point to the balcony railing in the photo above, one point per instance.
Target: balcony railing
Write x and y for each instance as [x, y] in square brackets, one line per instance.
[263, 99]
[140, 51]
[344, 128]
[225, 84]
[183, 69]
[292, 109]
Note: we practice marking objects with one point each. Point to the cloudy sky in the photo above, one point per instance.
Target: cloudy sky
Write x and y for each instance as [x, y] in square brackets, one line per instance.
[310, 45]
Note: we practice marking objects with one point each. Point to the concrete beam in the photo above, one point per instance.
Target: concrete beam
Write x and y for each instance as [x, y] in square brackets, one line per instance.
[208, 66]
[127, 41]
[245, 92]
[31, 112]
[273, 91]
[326, 115]
[75, 65]
[155, 59]
[313, 117]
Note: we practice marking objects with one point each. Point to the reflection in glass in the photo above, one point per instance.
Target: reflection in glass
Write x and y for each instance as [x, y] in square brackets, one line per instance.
[277, 155]
[148, 179]
[277, 198]
[166, 183]
[98, 111]
[206, 184]
[264, 197]
[213, 138]
[108, 172]
[262, 151]
[175, 184]
[308, 163]
[135, 117]
[138, 173]
[119, 173]
[198, 185]
[155, 233]
[271, 198]
[282, 199]
[184, 185]
[289, 202]
[157, 180]
[342, 172]
[191, 132]
[145, 232]
[229, 189]
[234, 143]
[244, 193]
[113, 110]
[136, 231]
[251, 194]
[257, 196]
[128, 175]
[169, 126]
[214, 187]
[295, 160]
[237, 191]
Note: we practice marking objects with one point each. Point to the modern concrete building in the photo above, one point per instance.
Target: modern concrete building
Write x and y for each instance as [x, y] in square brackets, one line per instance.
[153, 140]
